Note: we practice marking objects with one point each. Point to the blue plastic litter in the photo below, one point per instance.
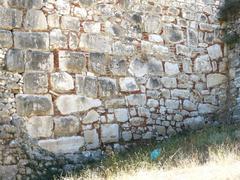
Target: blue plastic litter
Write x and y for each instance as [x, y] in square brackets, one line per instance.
[155, 154]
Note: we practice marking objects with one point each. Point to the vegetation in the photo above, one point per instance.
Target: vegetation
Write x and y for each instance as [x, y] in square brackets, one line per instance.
[214, 149]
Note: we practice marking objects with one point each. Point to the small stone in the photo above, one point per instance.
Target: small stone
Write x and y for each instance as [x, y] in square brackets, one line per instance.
[118, 66]
[61, 82]
[92, 27]
[31, 40]
[137, 121]
[155, 67]
[171, 131]
[138, 68]
[58, 39]
[171, 68]
[183, 50]
[68, 104]
[152, 24]
[5, 39]
[91, 117]
[35, 83]
[127, 135]
[26, 4]
[53, 20]
[173, 33]
[194, 123]
[35, 20]
[66, 126]
[136, 99]
[98, 63]
[155, 38]
[161, 130]
[72, 62]
[10, 18]
[15, 60]
[180, 93]
[121, 114]
[215, 52]
[206, 108]
[202, 64]
[40, 126]
[87, 86]
[109, 133]
[169, 82]
[80, 12]
[206, 27]
[154, 83]
[152, 103]
[189, 106]
[172, 104]
[128, 84]
[215, 80]
[114, 103]
[30, 105]
[70, 23]
[107, 87]
[63, 144]
[91, 139]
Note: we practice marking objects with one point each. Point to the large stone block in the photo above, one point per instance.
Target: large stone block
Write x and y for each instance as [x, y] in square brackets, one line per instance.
[26, 4]
[58, 39]
[66, 126]
[202, 64]
[173, 33]
[107, 87]
[6, 40]
[215, 51]
[63, 145]
[68, 104]
[39, 126]
[171, 68]
[207, 108]
[15, 60]
[91, 117]
[30, 105]
[98, 63]
[118, 66]
[87, 85]
[215, 80]
[72, 62]
[138, 68]
[10, 18]
[70, 23]
[39, 61]
[91, 139]
[95, 43]
[109, 133]
[61, 82]
[35, 20]
[136, 99]
[121, 114]
[35, 83]
[31, 40]
[128, 84]
[155, 67]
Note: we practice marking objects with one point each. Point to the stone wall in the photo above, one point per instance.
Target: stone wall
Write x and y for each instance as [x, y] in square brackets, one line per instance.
[87, 74]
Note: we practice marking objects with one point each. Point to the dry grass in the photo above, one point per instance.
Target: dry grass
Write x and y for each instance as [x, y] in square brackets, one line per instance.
[212, 153]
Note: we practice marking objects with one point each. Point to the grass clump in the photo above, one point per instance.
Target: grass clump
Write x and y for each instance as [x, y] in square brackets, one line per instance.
[210, 148]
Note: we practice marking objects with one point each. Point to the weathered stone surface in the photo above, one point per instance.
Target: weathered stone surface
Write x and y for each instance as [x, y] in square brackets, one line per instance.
[5, 39]
[98, 63]
[161, 130]
[70, 23]
[91, 138]
[35, 20]
[68, 104]
[152, 24]
[169, 82]
[120, 48]
[137, 121]
[127, 135]
[194, 123]
[121, 114]
[215, 80]
[215, 51]
[172, 33]
[183, 50]
[40, 126]
[114, 103]
[53, 20]
[30, 105]
[95, 43]
[118, 66]
[206, 108]
[66, 126]
[138, 68]
[10, 18]
[172, 104]
[189, 106]
[92, 27]
[61, 82]
[152, 103]
[154, 83]
[155, 67]
[203, 64]
[26, 4]
[180, 93]
[107, 87]
[136, 99]
[35, 83]
[87, 85]
[171, 68]
[63, 144]
[58, 39]
[31, 40]
[39, 61]
[8, 172]
[15, 60]
[128, 84]
[80, 12]
[91, 117]
[206, 27]
[155, 38]
[109, 133]
[71, 62]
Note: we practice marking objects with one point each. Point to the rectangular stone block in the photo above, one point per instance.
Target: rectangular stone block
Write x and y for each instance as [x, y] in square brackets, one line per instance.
[26, 4]
[95, 43]
[72, 62]
[63, 145]
[10, 18]
[91, 139]
[109, 133]
[58, 39]
[31, 40]
[39, 126]
[6, 40]
[39, 61]
[136, 99]
[30, 105]
[98, 63]
[70, 23]
[35, 83]
[15, 60]
[87, 85]
[107, 87]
